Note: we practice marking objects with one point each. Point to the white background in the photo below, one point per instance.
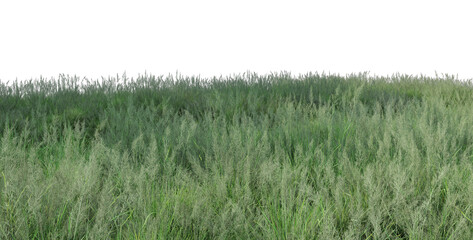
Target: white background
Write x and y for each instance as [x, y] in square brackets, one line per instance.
[94, 38]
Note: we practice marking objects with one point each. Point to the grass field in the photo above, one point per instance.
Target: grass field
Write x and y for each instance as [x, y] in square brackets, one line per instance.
[245, 157]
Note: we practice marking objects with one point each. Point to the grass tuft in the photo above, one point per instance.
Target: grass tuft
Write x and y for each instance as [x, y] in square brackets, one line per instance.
[248, 157]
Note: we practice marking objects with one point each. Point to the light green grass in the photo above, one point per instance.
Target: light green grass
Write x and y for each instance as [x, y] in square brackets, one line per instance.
[253, 157]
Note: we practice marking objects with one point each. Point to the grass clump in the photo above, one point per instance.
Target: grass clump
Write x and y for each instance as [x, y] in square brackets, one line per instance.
[247, 157]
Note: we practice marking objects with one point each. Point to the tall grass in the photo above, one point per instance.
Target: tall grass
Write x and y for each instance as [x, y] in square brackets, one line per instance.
[247, 157]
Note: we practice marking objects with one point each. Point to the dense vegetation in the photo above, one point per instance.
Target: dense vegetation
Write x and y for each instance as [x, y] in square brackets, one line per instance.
[245, 157]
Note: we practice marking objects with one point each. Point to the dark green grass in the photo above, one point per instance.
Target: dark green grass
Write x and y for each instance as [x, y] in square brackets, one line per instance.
[246, 157]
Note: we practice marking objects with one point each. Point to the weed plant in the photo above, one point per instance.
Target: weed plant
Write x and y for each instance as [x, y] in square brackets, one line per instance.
[247, 157]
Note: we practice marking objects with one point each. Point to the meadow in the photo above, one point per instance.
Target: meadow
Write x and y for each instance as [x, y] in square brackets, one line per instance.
[243, 157]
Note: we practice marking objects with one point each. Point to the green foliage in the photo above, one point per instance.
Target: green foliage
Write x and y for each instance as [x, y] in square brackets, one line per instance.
[247, 157]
